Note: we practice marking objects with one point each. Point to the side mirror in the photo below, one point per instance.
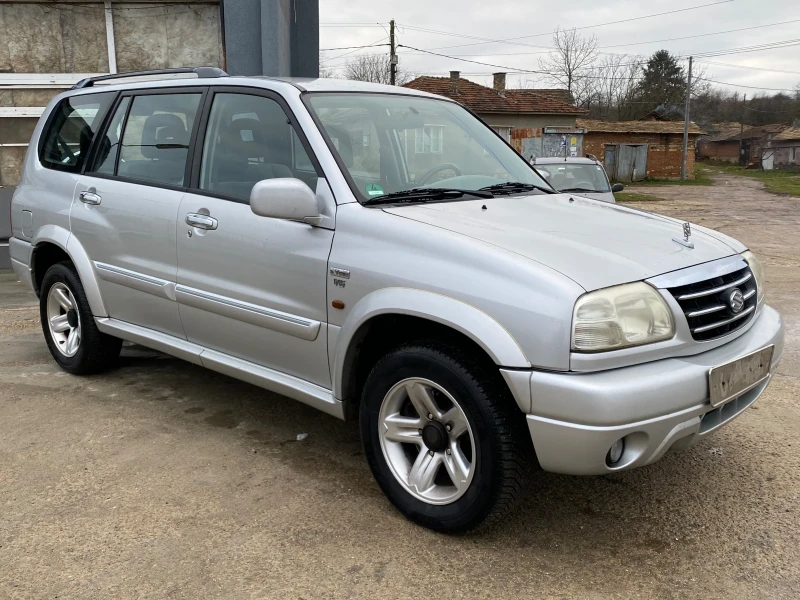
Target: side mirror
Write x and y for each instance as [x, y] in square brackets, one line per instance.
[617, 187]
[285, 198]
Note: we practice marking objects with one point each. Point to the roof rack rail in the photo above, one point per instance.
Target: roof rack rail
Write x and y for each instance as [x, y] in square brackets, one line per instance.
[202, 72]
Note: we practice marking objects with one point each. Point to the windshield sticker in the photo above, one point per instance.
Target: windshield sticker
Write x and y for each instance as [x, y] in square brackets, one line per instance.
[373, 189]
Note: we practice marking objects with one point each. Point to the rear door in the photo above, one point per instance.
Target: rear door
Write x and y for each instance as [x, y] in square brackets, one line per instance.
[125, 207]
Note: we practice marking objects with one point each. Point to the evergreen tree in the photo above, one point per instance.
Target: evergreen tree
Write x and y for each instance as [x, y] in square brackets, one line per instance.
[663, 81]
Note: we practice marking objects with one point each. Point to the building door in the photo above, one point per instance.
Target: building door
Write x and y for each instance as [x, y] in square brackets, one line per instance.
[768, 159]
[630, 162]
[610, 161]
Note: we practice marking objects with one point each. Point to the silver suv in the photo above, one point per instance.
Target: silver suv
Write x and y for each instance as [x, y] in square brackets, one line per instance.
[380, 253]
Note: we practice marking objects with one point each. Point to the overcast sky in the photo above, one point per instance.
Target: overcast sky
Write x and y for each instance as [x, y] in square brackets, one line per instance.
[535, 19]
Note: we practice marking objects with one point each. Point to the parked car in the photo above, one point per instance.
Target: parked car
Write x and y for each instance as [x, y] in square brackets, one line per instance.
[577, 175]
[288, 233]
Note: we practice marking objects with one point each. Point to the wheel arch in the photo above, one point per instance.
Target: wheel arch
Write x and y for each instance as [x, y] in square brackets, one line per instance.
[446, 316]
[53, 244]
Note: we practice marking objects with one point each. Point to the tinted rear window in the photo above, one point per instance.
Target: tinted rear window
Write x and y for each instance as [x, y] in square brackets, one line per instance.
[69, 133]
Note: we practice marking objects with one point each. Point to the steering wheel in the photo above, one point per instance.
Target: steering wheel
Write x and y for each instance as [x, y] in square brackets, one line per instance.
[436, 169]
[586, 185]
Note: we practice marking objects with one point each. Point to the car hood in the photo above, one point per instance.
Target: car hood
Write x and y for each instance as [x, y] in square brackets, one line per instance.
[594, 243]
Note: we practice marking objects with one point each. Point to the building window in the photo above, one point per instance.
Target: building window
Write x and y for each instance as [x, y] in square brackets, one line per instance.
[793, 154]
[503, 132]
[428, 139]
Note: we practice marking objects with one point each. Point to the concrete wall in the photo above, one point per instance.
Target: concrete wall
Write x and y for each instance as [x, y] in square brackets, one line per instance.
[52, 38]
[782, 158]
[163, 37]
[664, 151]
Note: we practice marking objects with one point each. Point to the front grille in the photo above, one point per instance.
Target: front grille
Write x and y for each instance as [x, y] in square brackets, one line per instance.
[705, 304]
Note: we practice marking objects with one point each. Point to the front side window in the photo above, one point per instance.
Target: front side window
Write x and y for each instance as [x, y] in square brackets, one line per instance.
[69, 134]
[414, 142]
[249, 139]
[566, 177]
[155, 140]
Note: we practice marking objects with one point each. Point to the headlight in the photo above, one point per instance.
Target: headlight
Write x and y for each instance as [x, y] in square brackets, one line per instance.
[758, 273]
[621, 316]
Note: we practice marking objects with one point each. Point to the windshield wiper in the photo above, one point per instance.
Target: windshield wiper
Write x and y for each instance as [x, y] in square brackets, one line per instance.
[512, 187]
[423, 194]
[581, 190]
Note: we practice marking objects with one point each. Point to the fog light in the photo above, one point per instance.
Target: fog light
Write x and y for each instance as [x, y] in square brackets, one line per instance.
[615, 452]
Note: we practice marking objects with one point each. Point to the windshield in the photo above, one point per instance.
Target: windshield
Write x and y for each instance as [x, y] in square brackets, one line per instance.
[393, 143]
[575, 178]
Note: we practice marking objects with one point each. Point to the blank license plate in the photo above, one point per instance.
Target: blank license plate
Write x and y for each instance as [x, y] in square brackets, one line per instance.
[730, 380]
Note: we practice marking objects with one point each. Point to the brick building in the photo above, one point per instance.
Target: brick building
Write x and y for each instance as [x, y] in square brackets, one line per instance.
[633, 150]
[719, 143]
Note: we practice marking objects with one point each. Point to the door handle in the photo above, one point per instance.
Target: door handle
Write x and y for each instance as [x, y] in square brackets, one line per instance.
[89, 197]
[201, 221]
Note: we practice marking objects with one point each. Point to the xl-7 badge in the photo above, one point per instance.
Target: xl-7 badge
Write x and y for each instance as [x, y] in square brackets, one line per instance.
[687, 232]
[339, 276]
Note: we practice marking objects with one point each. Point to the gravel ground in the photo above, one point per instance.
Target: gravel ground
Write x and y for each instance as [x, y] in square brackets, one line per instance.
[162, 480]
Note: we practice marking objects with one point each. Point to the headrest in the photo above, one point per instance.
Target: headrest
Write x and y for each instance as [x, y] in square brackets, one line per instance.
[162, 129]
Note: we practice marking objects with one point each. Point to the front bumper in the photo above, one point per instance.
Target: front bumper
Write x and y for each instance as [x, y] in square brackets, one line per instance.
[655, 406]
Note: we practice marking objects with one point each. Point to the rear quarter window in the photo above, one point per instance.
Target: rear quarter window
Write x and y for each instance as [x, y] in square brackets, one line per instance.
[69, 132]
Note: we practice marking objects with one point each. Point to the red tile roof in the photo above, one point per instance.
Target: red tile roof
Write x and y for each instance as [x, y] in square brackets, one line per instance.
[483, 99]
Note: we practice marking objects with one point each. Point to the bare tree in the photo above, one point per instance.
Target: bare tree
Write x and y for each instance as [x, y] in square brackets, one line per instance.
[324, 69]
[373, 68]
[615, 82]
[570, 63]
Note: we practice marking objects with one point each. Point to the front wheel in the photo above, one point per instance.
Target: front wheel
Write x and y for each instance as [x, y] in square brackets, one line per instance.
[443, 438]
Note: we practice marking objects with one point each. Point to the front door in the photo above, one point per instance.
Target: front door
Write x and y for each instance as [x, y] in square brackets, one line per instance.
[126, 206]
[250, 286]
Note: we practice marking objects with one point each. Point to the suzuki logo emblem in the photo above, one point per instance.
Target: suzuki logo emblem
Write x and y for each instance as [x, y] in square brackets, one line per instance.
[735, 300]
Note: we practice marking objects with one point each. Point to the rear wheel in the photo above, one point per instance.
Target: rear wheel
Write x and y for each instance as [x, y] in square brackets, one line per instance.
[443, 437]
[69, 328]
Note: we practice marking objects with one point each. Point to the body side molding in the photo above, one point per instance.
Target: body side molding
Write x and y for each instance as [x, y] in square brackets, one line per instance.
[254, 314]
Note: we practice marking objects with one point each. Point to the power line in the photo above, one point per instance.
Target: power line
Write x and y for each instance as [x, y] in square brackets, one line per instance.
[700, 35]
[522, 37]
[751, 87]
[476, 62]
[710, 62]
[352, 47]
[755, 48]
[771, 111]
[375, 43]
[350, 25]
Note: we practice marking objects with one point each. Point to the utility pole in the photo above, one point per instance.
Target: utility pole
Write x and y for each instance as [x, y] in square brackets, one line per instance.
[741, 132]
[686, 121]
[392, 55]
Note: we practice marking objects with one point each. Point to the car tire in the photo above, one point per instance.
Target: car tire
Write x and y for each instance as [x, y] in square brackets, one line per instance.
[491, 457]
[68, 324]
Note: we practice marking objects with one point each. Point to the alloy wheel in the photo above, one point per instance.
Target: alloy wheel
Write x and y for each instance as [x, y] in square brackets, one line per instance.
[63, 319]
[427, 441]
